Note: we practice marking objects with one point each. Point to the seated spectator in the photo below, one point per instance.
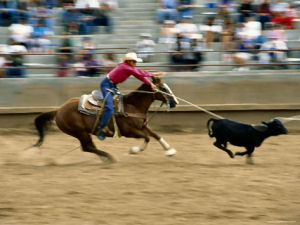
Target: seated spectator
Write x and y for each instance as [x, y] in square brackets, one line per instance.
[15, 60]
[285, 14]
[3, 50]
[245, 9]
[82, 4]
[109, 62]
[186, 52]
[63, 64]
[8, 12]
[40, 41]
[186, 27]
[167, 10]
[21, 32]
[210, 31]
[242, 58]
[277, 30]
[145, 47]
[185, 8]
[103, 17]
[70, 19]
[227, 34]
[167, 33]
[252, 28]
[261, 39]
[88, 44]
[66, 46]
[41, 12]
[274, 56]
[22, 10]
[194, 57]
[264, 13]
[95, 64]
[79, 66]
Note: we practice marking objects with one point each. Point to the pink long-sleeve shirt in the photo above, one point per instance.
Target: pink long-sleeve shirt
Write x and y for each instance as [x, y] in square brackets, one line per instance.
[124, 70]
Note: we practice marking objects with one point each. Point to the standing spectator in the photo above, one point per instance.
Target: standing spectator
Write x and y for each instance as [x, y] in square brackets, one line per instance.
[145, 47]
[167, 10]
[264, 13]
[246, 9]
[21, 32]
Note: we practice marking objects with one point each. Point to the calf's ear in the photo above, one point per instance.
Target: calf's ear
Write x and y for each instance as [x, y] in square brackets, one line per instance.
[263, 122]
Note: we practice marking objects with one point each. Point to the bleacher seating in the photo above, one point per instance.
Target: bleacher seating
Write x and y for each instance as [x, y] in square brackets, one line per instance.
[132, 18]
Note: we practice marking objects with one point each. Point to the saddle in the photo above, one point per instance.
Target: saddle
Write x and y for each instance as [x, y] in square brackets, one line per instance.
[92, 104]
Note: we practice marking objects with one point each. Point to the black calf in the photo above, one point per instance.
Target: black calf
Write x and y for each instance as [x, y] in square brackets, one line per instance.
[240, 134]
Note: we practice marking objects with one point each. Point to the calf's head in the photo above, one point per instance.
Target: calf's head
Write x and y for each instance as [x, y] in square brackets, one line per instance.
[275, 127]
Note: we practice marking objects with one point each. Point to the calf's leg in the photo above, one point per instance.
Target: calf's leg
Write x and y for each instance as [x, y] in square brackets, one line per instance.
[223, 147]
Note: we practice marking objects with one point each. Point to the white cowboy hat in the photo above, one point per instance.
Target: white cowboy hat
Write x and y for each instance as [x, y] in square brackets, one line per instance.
[132, 56]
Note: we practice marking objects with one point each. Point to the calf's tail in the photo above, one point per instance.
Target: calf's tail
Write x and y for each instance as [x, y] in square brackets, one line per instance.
[41, 122]
[208, 125]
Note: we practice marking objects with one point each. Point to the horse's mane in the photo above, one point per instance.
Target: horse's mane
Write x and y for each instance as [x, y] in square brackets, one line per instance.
[133, 96]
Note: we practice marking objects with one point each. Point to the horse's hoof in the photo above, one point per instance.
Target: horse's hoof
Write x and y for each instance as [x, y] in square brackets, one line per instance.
[134, 150]
[170, 152]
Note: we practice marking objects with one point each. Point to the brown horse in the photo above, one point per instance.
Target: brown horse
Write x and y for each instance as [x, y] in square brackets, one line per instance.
[80, 126]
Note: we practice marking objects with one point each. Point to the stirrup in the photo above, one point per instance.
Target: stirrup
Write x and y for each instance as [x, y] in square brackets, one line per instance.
[101, 136]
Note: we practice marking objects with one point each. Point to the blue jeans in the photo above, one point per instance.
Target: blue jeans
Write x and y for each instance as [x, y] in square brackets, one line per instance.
[109, 103]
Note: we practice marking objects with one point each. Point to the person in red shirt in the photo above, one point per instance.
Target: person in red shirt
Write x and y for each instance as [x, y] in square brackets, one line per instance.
[118, 75]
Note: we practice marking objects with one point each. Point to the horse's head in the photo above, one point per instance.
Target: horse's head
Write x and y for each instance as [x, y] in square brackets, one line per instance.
[164, 94]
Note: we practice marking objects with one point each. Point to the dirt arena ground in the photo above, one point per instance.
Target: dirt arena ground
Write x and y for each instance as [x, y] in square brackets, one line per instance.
[200, 185]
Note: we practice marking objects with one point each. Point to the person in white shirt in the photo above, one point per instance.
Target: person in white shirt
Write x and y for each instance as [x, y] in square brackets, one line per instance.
[21, 32]
[82, 4]
[186, 27]
[252, 28]
[273, 44]
[145, 47]
[210, 31]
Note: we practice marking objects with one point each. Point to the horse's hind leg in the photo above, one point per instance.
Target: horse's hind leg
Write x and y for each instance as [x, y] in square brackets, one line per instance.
[169, 151]
[88, 146]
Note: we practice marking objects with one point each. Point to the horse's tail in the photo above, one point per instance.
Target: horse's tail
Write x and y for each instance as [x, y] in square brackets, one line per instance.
[40, 123]
[210, 132]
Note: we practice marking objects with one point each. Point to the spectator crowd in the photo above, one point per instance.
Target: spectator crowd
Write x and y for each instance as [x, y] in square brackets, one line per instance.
[242, 25]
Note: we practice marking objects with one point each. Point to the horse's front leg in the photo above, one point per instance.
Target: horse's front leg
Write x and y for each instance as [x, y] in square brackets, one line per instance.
[136, 149]
[169, 151]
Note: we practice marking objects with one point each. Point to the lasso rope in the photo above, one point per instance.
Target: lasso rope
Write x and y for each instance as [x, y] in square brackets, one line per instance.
[181, 99]
[288, 119]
